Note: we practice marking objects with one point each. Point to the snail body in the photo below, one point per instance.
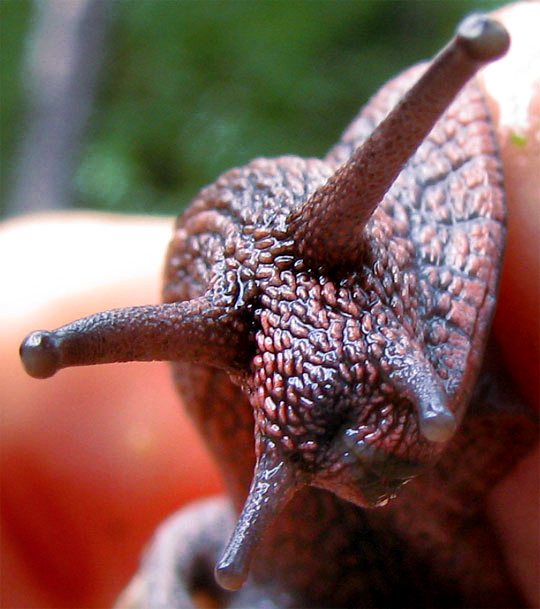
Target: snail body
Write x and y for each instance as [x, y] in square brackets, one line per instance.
[326, 320]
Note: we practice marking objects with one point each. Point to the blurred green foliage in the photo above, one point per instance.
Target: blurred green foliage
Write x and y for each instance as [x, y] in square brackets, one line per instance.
[191, 88]
[14, 21]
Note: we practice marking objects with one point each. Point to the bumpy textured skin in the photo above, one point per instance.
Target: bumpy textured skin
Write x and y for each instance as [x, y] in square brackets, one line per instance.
[321, 354]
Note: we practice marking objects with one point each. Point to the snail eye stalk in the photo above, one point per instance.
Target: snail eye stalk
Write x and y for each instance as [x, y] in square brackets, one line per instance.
[334, 217]
[195, 330]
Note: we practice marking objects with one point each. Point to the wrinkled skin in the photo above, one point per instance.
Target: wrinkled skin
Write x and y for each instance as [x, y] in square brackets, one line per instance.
[421, 547]
[514, 501]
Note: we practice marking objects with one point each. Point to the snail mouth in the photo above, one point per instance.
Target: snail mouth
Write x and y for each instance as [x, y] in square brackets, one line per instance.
[368, 491]
[365, 474]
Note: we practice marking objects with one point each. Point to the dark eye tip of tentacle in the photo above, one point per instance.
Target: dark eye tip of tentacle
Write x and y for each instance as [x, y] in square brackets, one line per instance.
[40, 354]
[483, 38]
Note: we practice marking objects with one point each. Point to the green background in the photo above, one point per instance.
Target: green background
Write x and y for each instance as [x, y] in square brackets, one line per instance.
[189, 89]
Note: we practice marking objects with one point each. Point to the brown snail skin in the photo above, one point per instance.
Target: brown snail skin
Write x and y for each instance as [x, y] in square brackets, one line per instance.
[358, 361]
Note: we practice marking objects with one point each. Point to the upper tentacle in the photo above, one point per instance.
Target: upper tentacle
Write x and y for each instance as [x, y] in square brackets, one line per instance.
[329, 226]
[196, 330]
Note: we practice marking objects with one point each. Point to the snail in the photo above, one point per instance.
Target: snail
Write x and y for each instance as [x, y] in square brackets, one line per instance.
[326, 320]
